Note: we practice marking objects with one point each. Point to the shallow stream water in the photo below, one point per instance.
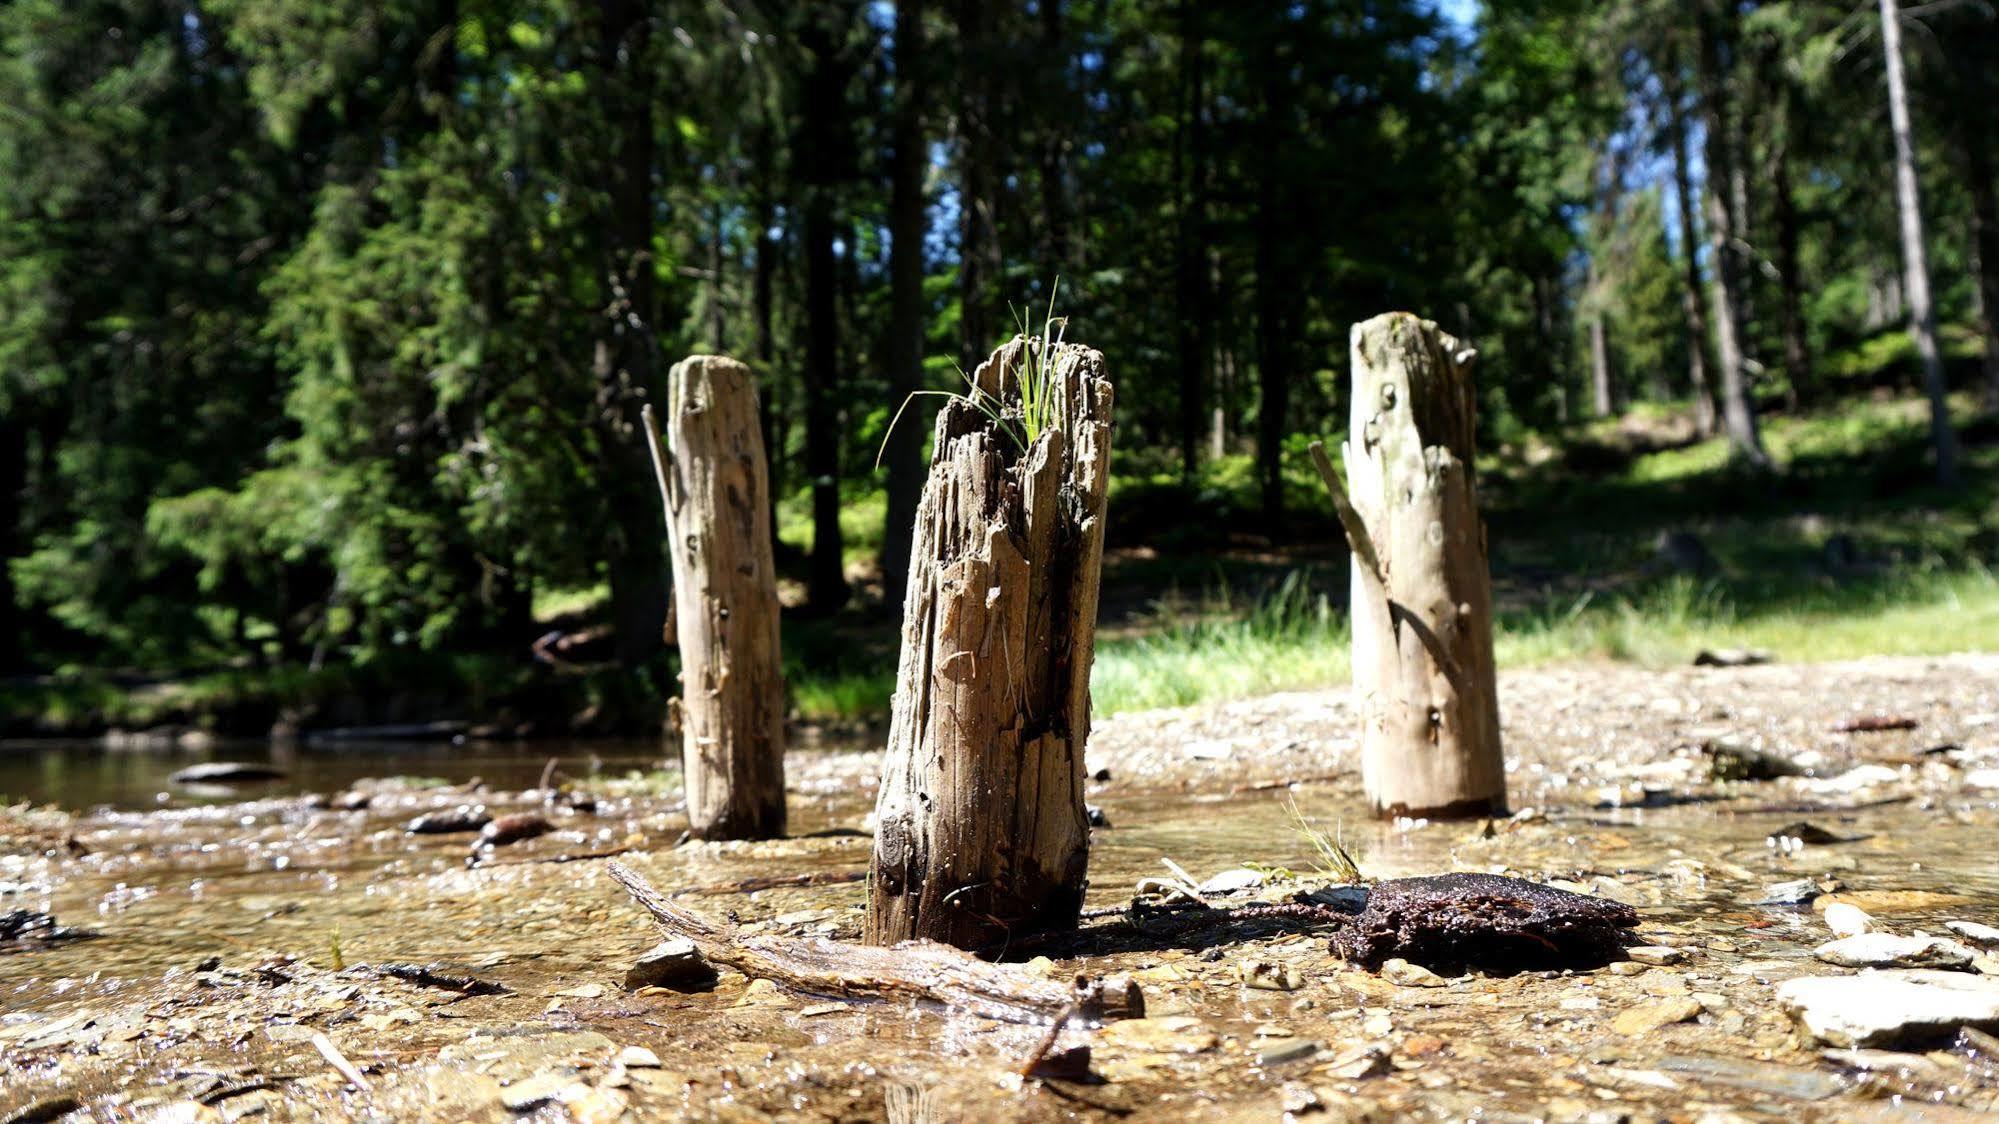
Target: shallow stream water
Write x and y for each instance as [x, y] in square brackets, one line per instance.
[223, 927]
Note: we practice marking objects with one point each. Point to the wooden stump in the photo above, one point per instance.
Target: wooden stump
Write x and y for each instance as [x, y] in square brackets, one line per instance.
[711, 477]
[981, 832]
[1422, 590]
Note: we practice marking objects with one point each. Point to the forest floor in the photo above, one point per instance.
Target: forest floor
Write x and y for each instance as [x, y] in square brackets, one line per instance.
[236, 962]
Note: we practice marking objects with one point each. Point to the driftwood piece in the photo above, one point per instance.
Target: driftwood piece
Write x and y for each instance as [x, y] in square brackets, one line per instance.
[983, 832]
[712, 481]
[1422, 611]
[919, 970]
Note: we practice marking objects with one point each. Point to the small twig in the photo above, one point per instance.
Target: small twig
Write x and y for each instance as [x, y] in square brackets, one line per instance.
[548, 770]
[753, 885]
[339, 1062]
[661, 459]
[1357, 537]
[1047, 1042]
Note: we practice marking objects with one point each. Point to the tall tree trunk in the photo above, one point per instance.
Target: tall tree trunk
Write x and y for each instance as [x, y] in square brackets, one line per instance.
[1060, 107]
[623, 360]
[1971, 48]
[978, 238]
[822, 154]
[1277, 293]
[1691, 306]
[1790, 265]
[1738, 407]
[13, 481]
[1194, 312]
[904, 453]
[1603, 390]
[1915, 257]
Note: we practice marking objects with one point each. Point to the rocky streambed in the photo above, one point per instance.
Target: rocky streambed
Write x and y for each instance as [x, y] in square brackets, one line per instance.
[1808, 851]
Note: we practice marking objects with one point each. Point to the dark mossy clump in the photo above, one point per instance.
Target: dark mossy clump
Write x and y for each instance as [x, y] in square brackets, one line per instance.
[1451, 922]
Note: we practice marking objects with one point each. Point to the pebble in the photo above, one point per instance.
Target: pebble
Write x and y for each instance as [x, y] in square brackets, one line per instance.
[1982, 778]
[1229, 881]
[1846, 920]
[638, 1057]
[1886, 950]
[513, 829]
[1404, 974]
[1891, 1008]
[1369, 1061]
[1657, 955]
[1855, 779]
[1796, 892]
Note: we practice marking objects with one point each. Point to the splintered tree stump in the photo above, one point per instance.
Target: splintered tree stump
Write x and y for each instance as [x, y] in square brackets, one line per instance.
[981, 831]
[711, 477]
[1422, 590]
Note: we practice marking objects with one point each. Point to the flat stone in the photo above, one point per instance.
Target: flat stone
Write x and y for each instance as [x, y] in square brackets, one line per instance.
[1170, 1034]
[1281, 1050]
[673, 964]
[227, 772]
[1982, 778]
[1229, 881]
[1855, 779]
[1891, 901]
[1657, 955]
[1648, 1017]
[533, 1092]
[1881, 1061]
[1886, 950]
[1890, 1008]
[1268, 975]
[1984, 936]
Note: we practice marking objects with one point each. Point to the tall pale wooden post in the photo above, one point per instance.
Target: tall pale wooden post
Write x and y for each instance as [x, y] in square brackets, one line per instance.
[981, 831]
[1422, 589]
[711, 476]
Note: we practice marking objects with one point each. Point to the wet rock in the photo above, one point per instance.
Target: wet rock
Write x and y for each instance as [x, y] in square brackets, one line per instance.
[530, 1094]
[1648, 1017]
[1855, 779]
[1899, 1007]
[1166, 1034]
[41, 1110]
[672, 964]
[1984, 936]
[1769, 1078]
[1801, 891]
[1846, 920]
[1732, 657]
[1731, 760]
[450, 821]
[513, 829]
[1449, 922]
[1072, 1064]
[1892, 901]
[1404, 974]
[1881, 1061]
[227, 772]
[1804, 833]
[1368, 1061]
[1886, 950]
[350, 801]
[1269, 975]
[32, 927]
[1281, 1050]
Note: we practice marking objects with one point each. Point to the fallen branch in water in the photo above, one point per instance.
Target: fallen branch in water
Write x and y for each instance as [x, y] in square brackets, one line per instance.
[919, 970]
[753, 885]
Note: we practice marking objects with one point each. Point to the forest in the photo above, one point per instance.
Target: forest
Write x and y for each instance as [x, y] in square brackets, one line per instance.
[324, 324]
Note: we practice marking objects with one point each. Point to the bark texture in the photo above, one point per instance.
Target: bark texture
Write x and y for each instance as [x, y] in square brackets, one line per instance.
[725, 601]
[1422, 590]
[982, 834]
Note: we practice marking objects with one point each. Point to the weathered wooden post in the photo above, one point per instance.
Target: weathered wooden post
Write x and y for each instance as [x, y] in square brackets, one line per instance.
[1422, 589]
[711, 478]
[981, 832]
